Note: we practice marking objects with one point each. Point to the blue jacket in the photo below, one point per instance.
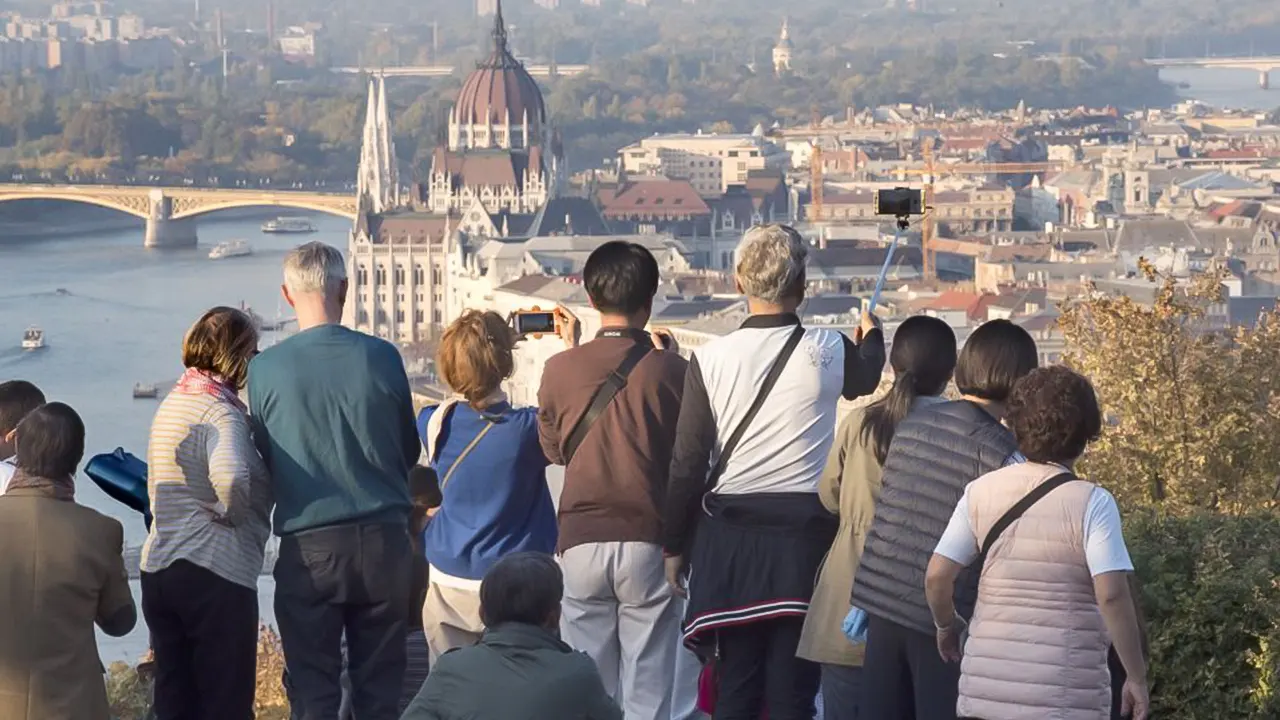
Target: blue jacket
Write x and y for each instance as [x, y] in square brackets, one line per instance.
[497, 501]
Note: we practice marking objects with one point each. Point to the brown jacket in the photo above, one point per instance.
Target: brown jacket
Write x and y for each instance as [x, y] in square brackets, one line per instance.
[61, 570]
[616, 483]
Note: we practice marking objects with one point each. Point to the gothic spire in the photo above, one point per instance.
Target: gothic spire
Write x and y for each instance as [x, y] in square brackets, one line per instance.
[499, 29]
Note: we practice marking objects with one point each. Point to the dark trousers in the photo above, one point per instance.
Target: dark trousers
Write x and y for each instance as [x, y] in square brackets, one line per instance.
[842, 692]
[759, 672]
[350, 580]
[204, 632]
[909, 679]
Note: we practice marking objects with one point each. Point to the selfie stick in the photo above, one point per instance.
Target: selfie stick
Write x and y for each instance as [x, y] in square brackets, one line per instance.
[884, 269]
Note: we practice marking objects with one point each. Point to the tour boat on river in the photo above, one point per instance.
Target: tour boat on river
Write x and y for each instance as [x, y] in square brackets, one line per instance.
[288, 226]
[230, 249]
[33, 338]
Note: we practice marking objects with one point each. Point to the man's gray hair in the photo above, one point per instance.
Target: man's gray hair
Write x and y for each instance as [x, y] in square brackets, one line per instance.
[771, 262]
[314, 268]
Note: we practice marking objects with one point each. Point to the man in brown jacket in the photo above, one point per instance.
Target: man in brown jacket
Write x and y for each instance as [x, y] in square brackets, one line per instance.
[617, 605]
[61, 571]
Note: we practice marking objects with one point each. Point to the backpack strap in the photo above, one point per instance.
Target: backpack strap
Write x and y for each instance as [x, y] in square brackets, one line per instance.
[604, 395]
[775, 371]
[1019, 508]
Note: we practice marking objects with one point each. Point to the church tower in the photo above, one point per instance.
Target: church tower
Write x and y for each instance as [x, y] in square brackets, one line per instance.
[782, 51]
[378, 177]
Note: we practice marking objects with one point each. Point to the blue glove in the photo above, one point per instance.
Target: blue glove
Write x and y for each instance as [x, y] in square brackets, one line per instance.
[855, 626]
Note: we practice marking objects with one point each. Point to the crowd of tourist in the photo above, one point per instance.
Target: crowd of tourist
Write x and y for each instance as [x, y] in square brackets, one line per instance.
[425, 570]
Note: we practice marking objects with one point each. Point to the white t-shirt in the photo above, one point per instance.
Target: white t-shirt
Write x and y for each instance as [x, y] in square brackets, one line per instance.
[1104, 548]
[7, 469]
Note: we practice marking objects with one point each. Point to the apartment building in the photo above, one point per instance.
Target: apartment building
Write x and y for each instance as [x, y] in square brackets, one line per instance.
[709, 161]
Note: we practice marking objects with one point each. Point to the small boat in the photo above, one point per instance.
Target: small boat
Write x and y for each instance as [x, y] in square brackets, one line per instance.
[145, 391]
[288, 225]
[230, 249]
[32, 338]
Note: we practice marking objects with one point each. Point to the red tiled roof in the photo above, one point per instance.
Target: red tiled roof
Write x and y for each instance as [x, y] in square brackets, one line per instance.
[669, 199]
[954, 300]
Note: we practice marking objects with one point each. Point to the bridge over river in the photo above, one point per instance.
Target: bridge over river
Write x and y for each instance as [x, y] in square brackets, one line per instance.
[1262, 65]
[170, 213]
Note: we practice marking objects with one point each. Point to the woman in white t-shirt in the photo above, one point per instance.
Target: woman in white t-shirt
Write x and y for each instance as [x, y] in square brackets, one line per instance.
[1054, 591]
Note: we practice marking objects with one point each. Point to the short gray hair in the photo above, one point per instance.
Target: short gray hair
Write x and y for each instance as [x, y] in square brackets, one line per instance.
[771, 262]
[314, 268]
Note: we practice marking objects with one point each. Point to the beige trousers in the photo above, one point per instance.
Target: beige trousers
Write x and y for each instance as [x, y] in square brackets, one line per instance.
[450, 619]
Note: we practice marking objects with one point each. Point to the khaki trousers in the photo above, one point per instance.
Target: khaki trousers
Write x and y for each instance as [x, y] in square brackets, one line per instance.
[450, 619]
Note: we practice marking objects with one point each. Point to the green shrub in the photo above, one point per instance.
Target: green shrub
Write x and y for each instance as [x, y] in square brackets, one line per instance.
[1212, 600]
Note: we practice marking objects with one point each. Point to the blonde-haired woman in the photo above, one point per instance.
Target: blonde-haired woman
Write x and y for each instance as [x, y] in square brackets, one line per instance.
[492, 478]
[211, 502]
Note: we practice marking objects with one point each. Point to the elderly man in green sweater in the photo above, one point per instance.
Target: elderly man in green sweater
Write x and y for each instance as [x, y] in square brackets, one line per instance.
[520, 669]
[333, 419]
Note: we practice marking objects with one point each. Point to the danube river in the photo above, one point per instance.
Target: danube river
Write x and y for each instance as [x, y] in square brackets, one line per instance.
[114, 314]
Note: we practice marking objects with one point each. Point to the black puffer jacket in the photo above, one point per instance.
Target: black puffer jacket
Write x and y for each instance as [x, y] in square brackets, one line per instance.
[936, 451]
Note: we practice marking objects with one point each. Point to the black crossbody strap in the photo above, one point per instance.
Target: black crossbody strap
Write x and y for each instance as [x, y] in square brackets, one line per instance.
[769, 381]
[604, 395]
[1019, 508]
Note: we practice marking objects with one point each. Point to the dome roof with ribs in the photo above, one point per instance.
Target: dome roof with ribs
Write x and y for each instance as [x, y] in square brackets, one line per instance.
[500, 90]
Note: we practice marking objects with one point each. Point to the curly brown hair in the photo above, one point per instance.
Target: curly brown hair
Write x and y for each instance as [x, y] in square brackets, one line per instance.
[1054, 414]
[475, 354]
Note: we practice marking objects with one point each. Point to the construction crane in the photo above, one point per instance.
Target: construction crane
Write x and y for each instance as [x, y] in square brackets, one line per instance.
[815, 182]
[931, 171]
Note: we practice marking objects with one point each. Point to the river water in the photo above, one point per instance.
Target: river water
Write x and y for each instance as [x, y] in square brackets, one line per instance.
[114, 314]
[1222, 87]
[120, 321]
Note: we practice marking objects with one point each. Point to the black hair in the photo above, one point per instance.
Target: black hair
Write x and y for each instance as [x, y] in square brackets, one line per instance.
[51, 441]
[17, 399]
[424, 487]
[923, 357]
[621, 278]
[1054, 414]
[523, 587]
[995, 356]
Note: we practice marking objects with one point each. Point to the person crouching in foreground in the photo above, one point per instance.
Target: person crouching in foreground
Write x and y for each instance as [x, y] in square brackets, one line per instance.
[520, 670]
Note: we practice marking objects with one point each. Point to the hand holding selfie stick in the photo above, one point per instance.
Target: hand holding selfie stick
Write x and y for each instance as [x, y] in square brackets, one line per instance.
[899, 226]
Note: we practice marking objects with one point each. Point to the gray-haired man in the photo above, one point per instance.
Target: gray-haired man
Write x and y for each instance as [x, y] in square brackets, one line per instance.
[334, 420]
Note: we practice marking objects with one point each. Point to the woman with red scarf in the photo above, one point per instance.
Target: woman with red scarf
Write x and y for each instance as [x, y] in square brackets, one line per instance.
[211, 503]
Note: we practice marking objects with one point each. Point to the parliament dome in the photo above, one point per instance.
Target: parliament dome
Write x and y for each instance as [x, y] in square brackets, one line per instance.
[500, 90]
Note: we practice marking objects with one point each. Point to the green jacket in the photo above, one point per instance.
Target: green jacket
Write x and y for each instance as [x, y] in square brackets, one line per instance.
[515, 672]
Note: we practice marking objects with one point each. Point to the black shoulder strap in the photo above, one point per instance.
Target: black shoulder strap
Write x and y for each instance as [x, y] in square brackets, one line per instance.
[604, 395]
[1019, 508]
[769, 381]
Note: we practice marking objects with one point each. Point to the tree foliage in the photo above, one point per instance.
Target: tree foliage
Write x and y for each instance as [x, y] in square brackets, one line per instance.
[1212, 602]
[1192, 405]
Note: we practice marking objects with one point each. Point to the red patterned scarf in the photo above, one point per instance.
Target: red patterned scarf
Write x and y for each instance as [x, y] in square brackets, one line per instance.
[202, 382]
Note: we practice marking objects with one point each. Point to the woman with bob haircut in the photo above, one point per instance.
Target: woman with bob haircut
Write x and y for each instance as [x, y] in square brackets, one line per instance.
[211, 501]
[493, 479]
[936, 451]
[63, 571]
[1055, 588]
[923, 358]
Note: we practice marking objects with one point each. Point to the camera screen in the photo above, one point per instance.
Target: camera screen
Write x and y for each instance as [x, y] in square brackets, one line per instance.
[535, 323]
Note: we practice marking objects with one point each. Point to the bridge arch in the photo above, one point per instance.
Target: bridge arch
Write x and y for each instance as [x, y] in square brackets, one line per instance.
[329, 208]
[139, 207]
